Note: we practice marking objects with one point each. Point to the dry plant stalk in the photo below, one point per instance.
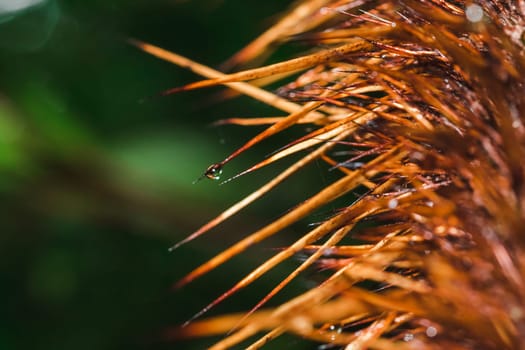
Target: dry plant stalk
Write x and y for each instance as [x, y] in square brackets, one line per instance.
[422, 104]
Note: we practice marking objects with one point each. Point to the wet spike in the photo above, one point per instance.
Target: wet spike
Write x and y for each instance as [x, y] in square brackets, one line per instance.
[214, 171]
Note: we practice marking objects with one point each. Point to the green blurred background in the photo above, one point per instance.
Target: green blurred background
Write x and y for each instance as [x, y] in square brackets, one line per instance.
[95, 185]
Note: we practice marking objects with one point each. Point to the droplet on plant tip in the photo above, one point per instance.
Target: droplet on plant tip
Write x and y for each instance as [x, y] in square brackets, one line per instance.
[214, 171]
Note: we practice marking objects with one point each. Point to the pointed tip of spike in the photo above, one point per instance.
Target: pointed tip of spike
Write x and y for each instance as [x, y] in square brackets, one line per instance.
[181, 283]
[134, 42]
[193, 236]
[172, 91]
[177, 245]
[186, 323]
[204, 310]
[197, 179]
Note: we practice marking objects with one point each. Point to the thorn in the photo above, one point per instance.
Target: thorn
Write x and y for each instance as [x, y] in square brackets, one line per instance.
[210, 305]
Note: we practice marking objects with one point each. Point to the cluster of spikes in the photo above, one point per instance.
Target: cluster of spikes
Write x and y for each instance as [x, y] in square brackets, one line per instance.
[420, 106]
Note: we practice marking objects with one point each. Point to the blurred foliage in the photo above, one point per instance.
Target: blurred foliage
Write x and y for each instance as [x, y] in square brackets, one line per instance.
[96, 185]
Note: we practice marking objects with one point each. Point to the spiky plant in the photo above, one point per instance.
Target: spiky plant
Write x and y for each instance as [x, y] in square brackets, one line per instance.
[421, 102]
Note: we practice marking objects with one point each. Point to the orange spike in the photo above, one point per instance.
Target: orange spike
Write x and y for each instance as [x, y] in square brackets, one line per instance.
[302, 62]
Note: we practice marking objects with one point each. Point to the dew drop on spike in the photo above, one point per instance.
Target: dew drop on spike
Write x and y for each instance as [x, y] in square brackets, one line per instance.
[214, 171]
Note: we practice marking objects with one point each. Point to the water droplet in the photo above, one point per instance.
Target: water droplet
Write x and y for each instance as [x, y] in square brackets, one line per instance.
[431, 332]
[408, 337]
[392, 204]
[474, 13]
[214, 171]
